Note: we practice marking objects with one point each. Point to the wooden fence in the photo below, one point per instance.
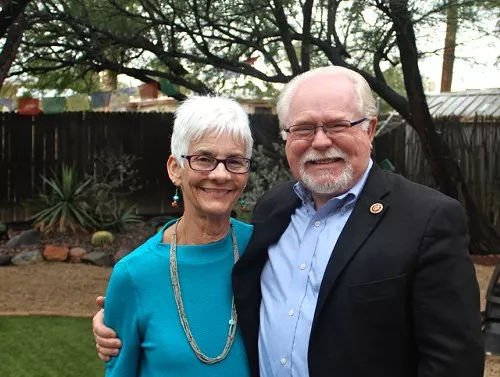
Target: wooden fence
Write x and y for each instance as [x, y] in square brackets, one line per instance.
[476, 146]
[34, 146]
[31, 147]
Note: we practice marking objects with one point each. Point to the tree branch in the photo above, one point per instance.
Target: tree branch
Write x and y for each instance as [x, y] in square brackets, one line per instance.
[9, 13]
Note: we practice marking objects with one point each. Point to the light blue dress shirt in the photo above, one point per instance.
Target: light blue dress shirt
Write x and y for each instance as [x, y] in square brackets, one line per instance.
[291, 280]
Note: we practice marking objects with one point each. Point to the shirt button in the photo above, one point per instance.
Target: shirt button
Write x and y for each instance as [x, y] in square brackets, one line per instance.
[303, 266]
[283, 360]
[291, 312]
[317, 223]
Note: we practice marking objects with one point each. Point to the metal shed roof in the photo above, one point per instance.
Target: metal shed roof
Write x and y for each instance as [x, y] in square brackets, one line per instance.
[466, 104]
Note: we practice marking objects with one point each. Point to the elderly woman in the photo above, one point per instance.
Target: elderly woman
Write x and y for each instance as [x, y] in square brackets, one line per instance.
[170, 301]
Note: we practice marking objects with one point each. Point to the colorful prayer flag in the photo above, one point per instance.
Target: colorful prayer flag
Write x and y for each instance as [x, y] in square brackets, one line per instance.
[251, 60]
[100, 99]
[118, 101]
[167, 87]
[7, 103]
[78, 102]
[53, 105]
[149, 90]
[28, 106]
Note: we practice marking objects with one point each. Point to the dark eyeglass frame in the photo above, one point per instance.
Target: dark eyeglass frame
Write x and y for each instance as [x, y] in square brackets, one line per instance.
[325, 128]
[217, 162]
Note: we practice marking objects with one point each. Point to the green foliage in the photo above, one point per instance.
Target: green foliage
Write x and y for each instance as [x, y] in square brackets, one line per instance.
[99, 201]
[118, 215]
[102, 237]
[191, 43]
[268, 169]
[115, 179]
[77, 79]
[65, 207]
[58, 346]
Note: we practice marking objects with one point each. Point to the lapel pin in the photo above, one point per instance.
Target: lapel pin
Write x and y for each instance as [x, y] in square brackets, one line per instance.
[376, 208]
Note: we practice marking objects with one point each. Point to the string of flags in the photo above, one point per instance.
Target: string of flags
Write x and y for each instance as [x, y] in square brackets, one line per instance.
[228, 75]
[117, 100]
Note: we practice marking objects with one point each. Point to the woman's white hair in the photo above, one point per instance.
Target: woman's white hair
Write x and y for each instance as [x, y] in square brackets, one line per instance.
[365, 96]
[200, 115]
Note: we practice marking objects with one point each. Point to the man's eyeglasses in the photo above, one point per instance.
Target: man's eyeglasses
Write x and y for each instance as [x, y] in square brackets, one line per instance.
[307, 132]
[201, 162]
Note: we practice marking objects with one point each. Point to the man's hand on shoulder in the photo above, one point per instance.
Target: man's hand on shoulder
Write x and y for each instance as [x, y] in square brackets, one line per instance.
[107, 344]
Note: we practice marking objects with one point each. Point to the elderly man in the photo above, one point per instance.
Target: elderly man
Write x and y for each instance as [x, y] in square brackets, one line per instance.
[352, 271]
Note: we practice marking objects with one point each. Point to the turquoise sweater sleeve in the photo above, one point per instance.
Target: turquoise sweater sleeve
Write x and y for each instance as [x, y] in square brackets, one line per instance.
[122, 314]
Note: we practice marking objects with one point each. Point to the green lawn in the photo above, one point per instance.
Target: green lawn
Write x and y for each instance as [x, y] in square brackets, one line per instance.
[48, 347]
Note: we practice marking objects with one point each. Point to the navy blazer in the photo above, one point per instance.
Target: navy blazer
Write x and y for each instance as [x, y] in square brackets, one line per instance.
[399, 297]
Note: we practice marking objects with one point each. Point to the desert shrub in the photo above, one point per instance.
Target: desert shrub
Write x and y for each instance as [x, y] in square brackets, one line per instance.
[115, 179]
[64, 206]
[99, 201]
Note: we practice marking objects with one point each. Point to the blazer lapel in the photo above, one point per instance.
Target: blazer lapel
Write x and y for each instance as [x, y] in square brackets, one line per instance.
[358, 228]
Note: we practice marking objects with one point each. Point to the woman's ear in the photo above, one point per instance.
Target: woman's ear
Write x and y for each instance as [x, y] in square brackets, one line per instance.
[174, 170]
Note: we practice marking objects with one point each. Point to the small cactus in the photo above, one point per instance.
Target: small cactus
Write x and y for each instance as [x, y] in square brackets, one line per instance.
[102, 237]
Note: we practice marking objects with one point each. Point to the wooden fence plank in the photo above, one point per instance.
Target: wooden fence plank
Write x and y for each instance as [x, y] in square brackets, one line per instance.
[21, 158]
[4, 157]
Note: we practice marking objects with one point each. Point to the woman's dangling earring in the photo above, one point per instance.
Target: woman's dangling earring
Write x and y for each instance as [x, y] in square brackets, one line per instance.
[175, 201]
[242, 204]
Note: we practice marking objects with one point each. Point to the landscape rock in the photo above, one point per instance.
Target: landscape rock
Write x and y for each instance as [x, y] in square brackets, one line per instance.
[98, 258]
[121, 253]
[5, 260]
[27, 257]
[28, 237]
[77, 253]
[55, 253]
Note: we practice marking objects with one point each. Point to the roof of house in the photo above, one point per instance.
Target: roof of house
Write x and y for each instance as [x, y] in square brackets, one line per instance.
[466, 104]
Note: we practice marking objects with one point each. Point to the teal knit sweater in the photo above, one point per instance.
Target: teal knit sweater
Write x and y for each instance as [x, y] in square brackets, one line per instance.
[140, 307]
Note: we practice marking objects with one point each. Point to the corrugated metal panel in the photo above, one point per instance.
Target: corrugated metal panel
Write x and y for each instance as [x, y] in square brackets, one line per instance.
[490, 105]
[465, 104]
[451, 104]
[461, 109]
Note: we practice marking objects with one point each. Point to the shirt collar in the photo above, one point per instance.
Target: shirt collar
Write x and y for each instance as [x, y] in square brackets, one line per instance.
[305, 195]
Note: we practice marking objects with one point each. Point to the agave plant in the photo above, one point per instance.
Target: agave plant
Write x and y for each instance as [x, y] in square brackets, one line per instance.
[119, 215]
[64, 207]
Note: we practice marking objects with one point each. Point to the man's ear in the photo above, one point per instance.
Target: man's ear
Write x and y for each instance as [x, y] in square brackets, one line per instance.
[372, 128]
[174, 170]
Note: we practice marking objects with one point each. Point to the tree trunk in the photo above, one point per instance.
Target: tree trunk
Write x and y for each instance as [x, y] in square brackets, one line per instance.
[449, 46]
[10, 11]
[446, 171]
[11, 46]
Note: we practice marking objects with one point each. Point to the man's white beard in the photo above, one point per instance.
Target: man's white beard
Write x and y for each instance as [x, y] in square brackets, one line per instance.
[326, 182]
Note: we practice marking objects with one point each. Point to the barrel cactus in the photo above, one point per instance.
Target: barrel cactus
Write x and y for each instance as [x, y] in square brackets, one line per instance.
[102, 237]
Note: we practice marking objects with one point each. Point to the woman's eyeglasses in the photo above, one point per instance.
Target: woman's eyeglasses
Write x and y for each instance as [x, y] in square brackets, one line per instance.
[201, 162]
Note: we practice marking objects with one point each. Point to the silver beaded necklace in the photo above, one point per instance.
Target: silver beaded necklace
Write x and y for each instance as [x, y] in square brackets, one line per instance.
[174, 274]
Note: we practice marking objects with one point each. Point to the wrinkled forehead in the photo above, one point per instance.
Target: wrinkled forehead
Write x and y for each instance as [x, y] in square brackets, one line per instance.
[325, 94]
